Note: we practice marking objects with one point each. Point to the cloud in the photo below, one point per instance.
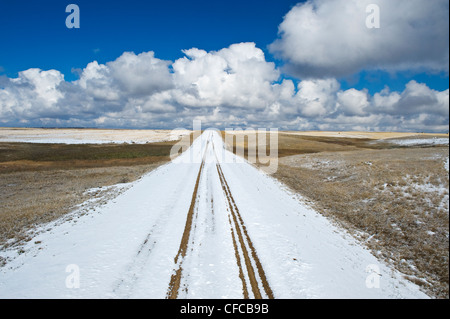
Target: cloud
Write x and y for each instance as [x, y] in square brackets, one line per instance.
[31, 95]
[323, 38]
[40, 84]
[417, 98]
[353, 102]
[232, 87]
[316, 97]
[97, 82]
[140, 74]
[237, 76]
[129, 74]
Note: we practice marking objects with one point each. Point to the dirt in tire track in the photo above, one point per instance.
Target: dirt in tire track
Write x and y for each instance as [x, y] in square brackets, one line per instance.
[251, 273]
[175, 280]
[244, 241]
[238, 260]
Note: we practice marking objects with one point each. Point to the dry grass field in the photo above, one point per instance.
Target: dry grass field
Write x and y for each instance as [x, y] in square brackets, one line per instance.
[393, 198]
[42, 182]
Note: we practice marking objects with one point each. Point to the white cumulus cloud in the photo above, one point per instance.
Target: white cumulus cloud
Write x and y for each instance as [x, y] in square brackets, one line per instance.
[329, 38]
[234, 86]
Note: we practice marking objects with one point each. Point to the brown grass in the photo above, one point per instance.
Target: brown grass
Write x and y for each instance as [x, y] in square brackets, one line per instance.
[28, 156]
[294, 144]
[392, 198]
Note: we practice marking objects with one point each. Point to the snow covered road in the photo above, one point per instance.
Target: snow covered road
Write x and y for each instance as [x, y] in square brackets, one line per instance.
[206, 225]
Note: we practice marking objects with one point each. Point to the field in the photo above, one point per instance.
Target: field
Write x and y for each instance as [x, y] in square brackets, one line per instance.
[391, 193]
[41, 182]
[387, 192]
[88, 136]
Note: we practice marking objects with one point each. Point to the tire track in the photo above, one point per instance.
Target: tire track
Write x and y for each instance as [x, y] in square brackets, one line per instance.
[175, 280]
[238, 260]
[251, 272]
[240, 235]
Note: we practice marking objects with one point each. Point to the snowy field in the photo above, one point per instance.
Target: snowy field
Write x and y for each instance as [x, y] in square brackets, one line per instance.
[420, 141]
[203, 226]
[88, 136]
[367, 135]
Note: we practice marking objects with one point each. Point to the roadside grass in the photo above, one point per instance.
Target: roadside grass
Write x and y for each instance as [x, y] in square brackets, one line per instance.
[394, 199]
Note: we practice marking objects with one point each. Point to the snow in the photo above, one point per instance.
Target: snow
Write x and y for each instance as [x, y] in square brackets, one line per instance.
[89, 136]
[420, 141]
[126, 248]
[426, 190]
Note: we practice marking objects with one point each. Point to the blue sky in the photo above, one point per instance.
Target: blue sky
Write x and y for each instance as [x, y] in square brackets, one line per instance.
[33, 35]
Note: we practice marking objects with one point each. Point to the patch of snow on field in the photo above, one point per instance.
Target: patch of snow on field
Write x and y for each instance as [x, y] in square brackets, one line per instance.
[308, 162]
[420, 141]
[89, 136]
[424, 189]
